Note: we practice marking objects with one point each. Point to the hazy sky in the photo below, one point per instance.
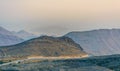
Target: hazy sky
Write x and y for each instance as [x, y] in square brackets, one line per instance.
[57, 17]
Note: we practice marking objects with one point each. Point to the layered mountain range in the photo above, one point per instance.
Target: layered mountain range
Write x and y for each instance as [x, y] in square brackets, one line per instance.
[43, 46]
[24, 35]
[8, 38]
[11, 38]
[98, 42]
[95, 42]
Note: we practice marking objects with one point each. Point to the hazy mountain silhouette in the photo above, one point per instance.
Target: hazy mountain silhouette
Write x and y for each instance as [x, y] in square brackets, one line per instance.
[24, 35]
[98, 42]
[8, 38]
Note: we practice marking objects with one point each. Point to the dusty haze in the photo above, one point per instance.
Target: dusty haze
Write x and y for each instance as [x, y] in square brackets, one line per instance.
[57, 17]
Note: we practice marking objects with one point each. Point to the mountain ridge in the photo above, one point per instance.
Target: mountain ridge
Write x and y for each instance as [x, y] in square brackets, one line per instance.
[43, 46]
[98, 42]
[24, 35]
[8, 38]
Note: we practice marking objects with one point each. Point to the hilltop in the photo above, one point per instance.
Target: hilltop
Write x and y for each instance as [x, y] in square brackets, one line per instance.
[43, 46]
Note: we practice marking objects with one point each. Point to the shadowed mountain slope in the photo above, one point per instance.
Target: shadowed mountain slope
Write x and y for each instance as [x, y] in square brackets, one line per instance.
[8, 38]
[98, 42]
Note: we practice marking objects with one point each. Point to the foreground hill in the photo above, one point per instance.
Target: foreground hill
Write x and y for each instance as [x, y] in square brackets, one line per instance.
[98, 42]
[43, 46]
[8, 38]
[102, 63]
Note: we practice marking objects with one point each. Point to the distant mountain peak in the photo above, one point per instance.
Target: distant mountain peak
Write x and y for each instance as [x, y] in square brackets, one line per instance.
[23, 31]
[8, 38]
[25, 35]
[4, 31]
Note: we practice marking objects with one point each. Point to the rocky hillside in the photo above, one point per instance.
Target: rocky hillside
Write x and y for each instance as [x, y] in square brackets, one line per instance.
[8, 38]
[98, 42]
[43, 46]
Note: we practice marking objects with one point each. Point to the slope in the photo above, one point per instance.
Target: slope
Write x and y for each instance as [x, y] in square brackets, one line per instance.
[98, 42]
[7, 38]
[43, 46]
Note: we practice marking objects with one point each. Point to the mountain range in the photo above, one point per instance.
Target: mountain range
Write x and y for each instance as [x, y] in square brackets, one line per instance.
[98, 42]
[11, 38]
[16, 48]
[24, 35]
[8, 38]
